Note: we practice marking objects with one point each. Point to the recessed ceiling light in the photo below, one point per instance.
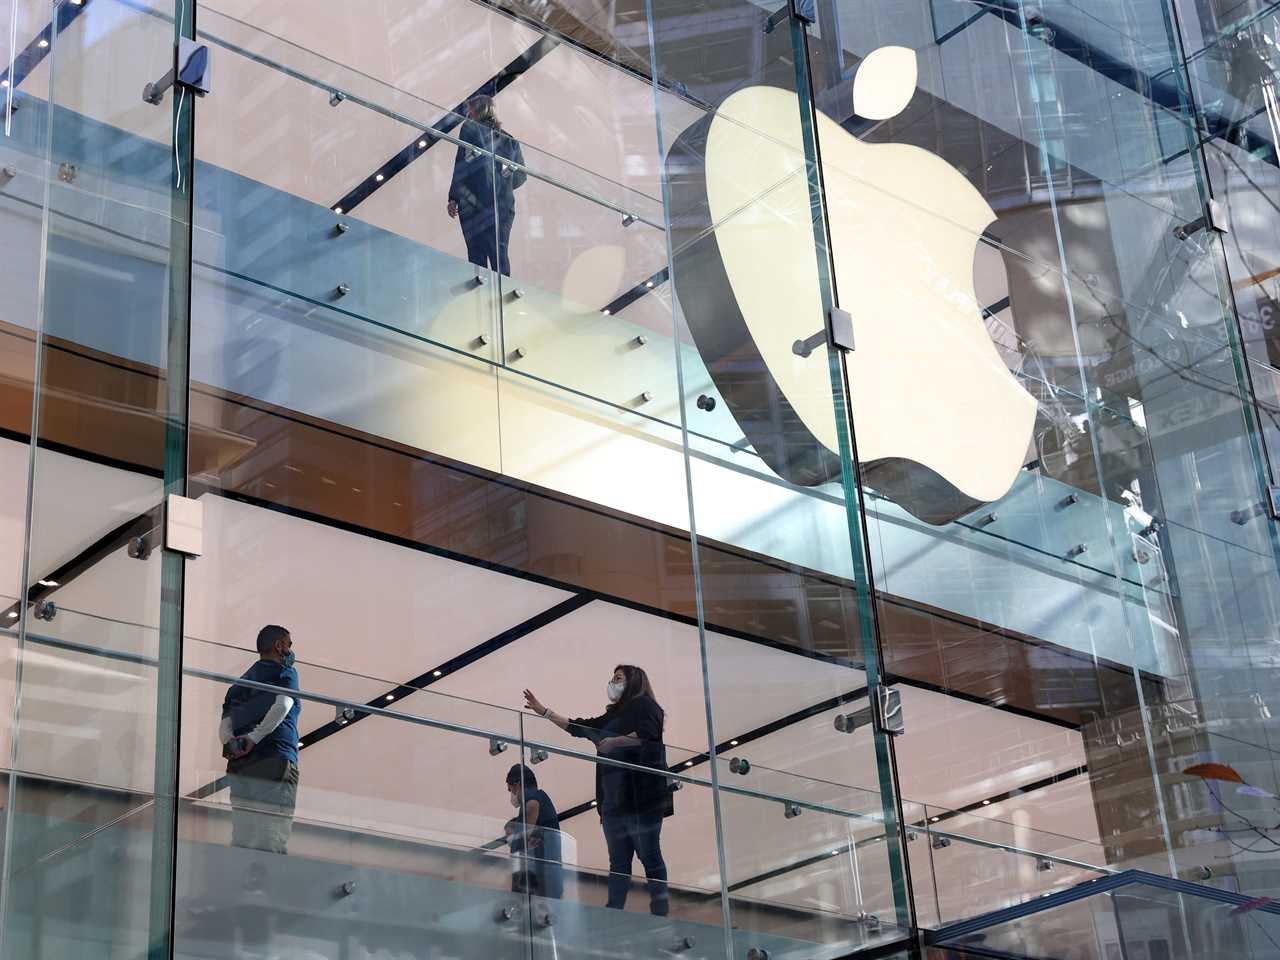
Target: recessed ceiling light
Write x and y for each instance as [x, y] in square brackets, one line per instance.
[648, 283]
[4, 83]
[934, 819]
[437, 673]
[606, 311]
[300, 743]
[43, 43]
[986, 803]
[13, 615]
[379, 178]
[835, 853]
[593, 803]
[337, 209]
[390, 696]
[688, 763]
[49, 583]
[733, 743]
[422, 144]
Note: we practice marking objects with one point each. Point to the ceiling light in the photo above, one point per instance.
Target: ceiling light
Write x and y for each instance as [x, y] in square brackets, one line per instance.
[437, 673]
[43, 43]
[13, 615]
[648, 283]
[49, 583]
[301, 744]
[422, 144]
[733, 743]
[688, 763]
[4, 83]
[835, 853]
[337, 209]
[390, 696]
[986, 803]
[606, 311]
[379, 178]
[934, 819]
[593, 803]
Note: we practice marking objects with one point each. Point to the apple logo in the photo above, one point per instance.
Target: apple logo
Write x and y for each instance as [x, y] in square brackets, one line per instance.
[941, 424]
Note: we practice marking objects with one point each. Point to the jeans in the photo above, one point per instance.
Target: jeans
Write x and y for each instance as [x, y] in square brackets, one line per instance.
[488, 239]
[628, 836]
[264, 791]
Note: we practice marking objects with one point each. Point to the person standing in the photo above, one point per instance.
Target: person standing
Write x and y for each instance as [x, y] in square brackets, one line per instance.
[259, 734]
[487, 171]
[537, 835]
[632, 804]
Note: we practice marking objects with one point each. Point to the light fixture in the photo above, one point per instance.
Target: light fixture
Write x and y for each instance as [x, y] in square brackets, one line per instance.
[688, 763]
[49, 583]
[389, 697]
[379, 178]
[593, 803]
[337, 209]
[986, 803]
[606, 311]
[422, 144]
[437, 673]
[4, 83]
[301, 744]
[934, 819]
[733, 743]
[13, 615]
[835, 853]
[648, 283]
[43, 43]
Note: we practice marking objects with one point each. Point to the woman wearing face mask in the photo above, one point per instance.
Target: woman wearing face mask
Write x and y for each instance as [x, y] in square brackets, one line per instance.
[632, 804]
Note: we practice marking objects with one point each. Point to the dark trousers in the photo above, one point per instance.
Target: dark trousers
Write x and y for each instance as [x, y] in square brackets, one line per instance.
[264, 792]
[488, 239]
[628, 836]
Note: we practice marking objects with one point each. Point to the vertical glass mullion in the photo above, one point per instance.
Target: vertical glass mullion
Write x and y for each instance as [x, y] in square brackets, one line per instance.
[886, 768]
[177, 374]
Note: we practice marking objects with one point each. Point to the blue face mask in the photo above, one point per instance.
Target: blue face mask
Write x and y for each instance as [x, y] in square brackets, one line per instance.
[288, 659]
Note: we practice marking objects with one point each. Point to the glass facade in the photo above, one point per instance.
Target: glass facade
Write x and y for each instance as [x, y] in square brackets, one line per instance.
[425, 537]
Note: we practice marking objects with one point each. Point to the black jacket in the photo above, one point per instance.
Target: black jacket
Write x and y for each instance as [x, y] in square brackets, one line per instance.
[481, 183]
[620, 791]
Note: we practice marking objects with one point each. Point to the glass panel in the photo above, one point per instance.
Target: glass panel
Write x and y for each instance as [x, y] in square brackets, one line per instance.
[90, 792]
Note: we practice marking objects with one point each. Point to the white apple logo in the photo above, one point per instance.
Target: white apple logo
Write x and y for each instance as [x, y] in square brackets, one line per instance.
[941, 424]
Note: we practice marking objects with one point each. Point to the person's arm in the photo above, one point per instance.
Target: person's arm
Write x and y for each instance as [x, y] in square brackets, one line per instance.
[274, 717]
[643, 723]
[225, 730]
[577, 726]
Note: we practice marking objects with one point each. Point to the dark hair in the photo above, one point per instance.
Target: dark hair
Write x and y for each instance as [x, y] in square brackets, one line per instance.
[269, 636]
[522, 774]
[637, 685]
[484, 109]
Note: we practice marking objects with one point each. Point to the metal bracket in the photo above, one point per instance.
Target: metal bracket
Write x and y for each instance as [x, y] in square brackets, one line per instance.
[496, 746]
[883, 711]
[190, 71]
[1214, 218]
[840, 327]
[1273, 500]
[184, 525]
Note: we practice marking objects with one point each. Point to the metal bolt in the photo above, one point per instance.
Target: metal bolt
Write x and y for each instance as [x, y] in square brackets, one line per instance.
[544, 918]
[941, 843]
[336, 98]
[1078, 549]
[342, 290]
[646, 396]
[139, 548]
[791, 809]
[481, 341]
[640, 340]
[517, 293]
[341, 228]
[348, 888]
[1070, 500]
[46, 610]
[683, 943]
[628, 219]
[757, 953]
[1044, 866]
[505, 913]
[518, 353]
[537, 756]
[740, 765]
[67, 172]
[988, 519]
[846, 722]
[706, 403]
[7, 173]
[496, 746]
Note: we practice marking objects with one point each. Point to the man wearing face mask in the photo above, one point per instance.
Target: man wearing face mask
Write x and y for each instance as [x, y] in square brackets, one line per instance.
[259, 734]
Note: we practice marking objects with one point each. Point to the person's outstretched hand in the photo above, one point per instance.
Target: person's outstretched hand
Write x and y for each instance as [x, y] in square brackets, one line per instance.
[453, 209]
[533, 703]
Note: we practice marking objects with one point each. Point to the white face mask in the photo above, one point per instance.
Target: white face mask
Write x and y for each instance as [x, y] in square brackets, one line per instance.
[614, 690]
[515, 799]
